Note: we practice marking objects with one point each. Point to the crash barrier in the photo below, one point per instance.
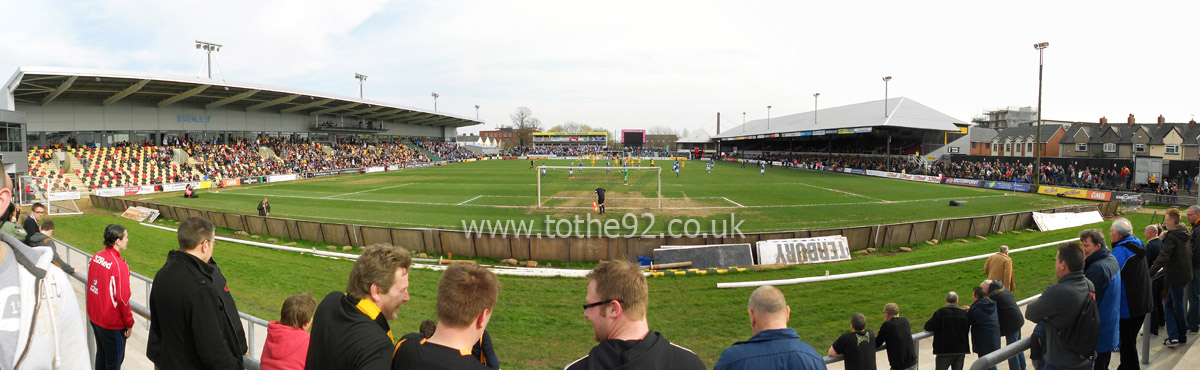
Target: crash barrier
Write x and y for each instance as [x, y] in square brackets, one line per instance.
[584, 248]
[139, 302]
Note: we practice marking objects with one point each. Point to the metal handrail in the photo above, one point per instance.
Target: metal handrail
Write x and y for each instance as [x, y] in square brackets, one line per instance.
[926, 334]
[249, 361]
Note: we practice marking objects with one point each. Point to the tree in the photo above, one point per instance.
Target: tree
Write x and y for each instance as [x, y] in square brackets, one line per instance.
[526, 124]
[684, 133]
[662, 130]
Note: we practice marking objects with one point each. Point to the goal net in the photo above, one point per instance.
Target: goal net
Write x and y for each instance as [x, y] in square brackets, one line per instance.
[575, 187]
[33, 189]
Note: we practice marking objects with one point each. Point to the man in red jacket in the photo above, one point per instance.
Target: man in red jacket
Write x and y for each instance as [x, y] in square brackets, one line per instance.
[108, 299]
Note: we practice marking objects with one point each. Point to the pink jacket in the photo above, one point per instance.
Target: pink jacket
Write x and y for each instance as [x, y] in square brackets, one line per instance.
[286, 348]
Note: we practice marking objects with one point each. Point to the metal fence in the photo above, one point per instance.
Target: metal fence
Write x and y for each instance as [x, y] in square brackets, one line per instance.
[140, 304]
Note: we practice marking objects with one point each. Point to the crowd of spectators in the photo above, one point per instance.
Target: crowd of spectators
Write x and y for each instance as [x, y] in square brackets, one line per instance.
[447, 151]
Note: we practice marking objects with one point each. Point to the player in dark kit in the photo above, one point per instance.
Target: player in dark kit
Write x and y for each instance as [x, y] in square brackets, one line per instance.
[600, 200]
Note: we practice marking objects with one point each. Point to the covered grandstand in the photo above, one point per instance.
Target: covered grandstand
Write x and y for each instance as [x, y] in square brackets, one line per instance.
[908, 127]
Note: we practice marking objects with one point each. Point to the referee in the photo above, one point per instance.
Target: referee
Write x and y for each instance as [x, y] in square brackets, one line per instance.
[600, 200]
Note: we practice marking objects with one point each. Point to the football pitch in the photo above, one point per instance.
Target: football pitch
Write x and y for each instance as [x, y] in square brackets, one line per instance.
[456, 196]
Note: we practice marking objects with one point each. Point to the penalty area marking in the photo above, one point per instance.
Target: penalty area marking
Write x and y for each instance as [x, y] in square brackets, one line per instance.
[469, 200]
[364, 191]
[734, 203]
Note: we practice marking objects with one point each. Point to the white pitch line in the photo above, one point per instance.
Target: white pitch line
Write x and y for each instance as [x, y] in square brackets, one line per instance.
[364, 191]
[469, 200]
[844, 192]
[735, 203]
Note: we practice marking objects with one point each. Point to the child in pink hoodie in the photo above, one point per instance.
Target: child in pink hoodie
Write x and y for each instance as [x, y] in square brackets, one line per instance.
[287, 339]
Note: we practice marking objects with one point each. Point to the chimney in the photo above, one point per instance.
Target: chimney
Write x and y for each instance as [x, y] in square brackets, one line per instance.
[1103, 120]
[1131, 118]
[1161, 120]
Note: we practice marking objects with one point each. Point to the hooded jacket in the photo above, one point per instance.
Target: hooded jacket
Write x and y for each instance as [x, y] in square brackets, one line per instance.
[985, 326]
[1058, 308]
[652, 352]
[1137, 297]
[194, 321]
[1175, 258]
[1011, 318]
[286, 348]
[1101, 268]
[41, 288]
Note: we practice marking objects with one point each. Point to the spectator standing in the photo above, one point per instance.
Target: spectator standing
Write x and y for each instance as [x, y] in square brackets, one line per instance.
[857, 346]
[194, 321]
[108, 299]
[264, 208]
[350, 330]
[1176, 262]
[1102, 270]
[1153, 248]
[43, 239]
[617, 301]
[897, 335]
[1011, 318]
[950, 328]
[985, 323]
[1192, 290]
[773, 345]
[1130, 254]
[466, 296]
[36, 213]
[999, 267]
[1058, 308]
[10, 226]
[287, 339]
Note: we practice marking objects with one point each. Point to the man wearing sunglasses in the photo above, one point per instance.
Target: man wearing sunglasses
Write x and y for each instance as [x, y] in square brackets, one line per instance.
[617, 300]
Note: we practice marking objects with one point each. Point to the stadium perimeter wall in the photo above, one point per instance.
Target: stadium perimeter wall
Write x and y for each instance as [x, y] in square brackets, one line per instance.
[575, 249]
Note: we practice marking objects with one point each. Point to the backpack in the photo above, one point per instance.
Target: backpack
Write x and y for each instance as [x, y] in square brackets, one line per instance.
[1080, 339]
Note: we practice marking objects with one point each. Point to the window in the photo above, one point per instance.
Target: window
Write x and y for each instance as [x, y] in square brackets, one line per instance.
[1029, 147]
[1007, 147]
[1139, 148]
[1081, 147]
[1110, 147]
[973, 145]
[1173, 149]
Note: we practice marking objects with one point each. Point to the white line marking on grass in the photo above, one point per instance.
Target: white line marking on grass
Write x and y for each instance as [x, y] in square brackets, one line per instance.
[844, 192]
[734, 203]
[364, 191]
[469, 200]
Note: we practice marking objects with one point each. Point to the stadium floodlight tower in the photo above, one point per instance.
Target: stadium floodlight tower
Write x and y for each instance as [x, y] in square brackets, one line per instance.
[815, 95]
[361, 79]
[886, 79]
[476, 112]
[768, 118]
[208, 47]
[435, 96]
[1037, 161]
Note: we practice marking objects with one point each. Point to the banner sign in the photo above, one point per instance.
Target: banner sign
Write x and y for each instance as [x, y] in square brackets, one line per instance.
[110, 192]
[394, 167]
[857, 171]
[1129, 198]
[64, 195]
[803, 251]
[179, 186]
[140, 214]
[278, 178]
[876, 173]
[350, 171]
[231, 182]
[1005, 185]
[204, 185]
[963, 182]
[901, 176]
[251, 180]
[131, 190]
[374, 169]
[1075, 193]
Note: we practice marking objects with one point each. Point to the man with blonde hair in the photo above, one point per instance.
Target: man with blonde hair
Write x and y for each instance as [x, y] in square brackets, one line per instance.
[465, 298]
[774, 344]
[350, 331]
[617, 300]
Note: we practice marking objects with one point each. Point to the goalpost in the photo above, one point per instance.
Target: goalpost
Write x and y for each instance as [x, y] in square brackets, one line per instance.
[33, 189]
[564, 186]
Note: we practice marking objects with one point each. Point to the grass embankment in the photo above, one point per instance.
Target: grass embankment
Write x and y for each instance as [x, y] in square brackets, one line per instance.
[538, 322]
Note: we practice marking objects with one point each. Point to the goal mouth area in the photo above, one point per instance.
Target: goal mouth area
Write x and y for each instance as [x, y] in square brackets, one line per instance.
[576, 186]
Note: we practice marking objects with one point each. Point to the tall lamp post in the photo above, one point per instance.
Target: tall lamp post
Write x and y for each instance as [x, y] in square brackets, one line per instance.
[768, 118]
[1037, 161]
[435, 96]
[815, 95]
[210, 48]
[361, 79]
[476, 112]
[886, 79]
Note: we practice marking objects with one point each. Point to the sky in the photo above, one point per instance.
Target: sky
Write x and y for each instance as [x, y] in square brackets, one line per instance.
[640, 64]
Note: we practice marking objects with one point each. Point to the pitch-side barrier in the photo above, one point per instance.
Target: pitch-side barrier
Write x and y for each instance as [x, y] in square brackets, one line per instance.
[813, 279]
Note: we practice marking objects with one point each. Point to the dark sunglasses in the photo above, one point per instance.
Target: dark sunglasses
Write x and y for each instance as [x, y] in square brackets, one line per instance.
[594, 304]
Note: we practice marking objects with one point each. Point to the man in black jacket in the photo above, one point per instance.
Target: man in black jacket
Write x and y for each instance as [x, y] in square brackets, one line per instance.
[950, 334]
[1175, 261]
[618, 298]
[1192, 290]
[1153, 248]
[36, 213]
[1011, 319]
[897, 335]
[194, 321]
[350, 331]
[1059, 306]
